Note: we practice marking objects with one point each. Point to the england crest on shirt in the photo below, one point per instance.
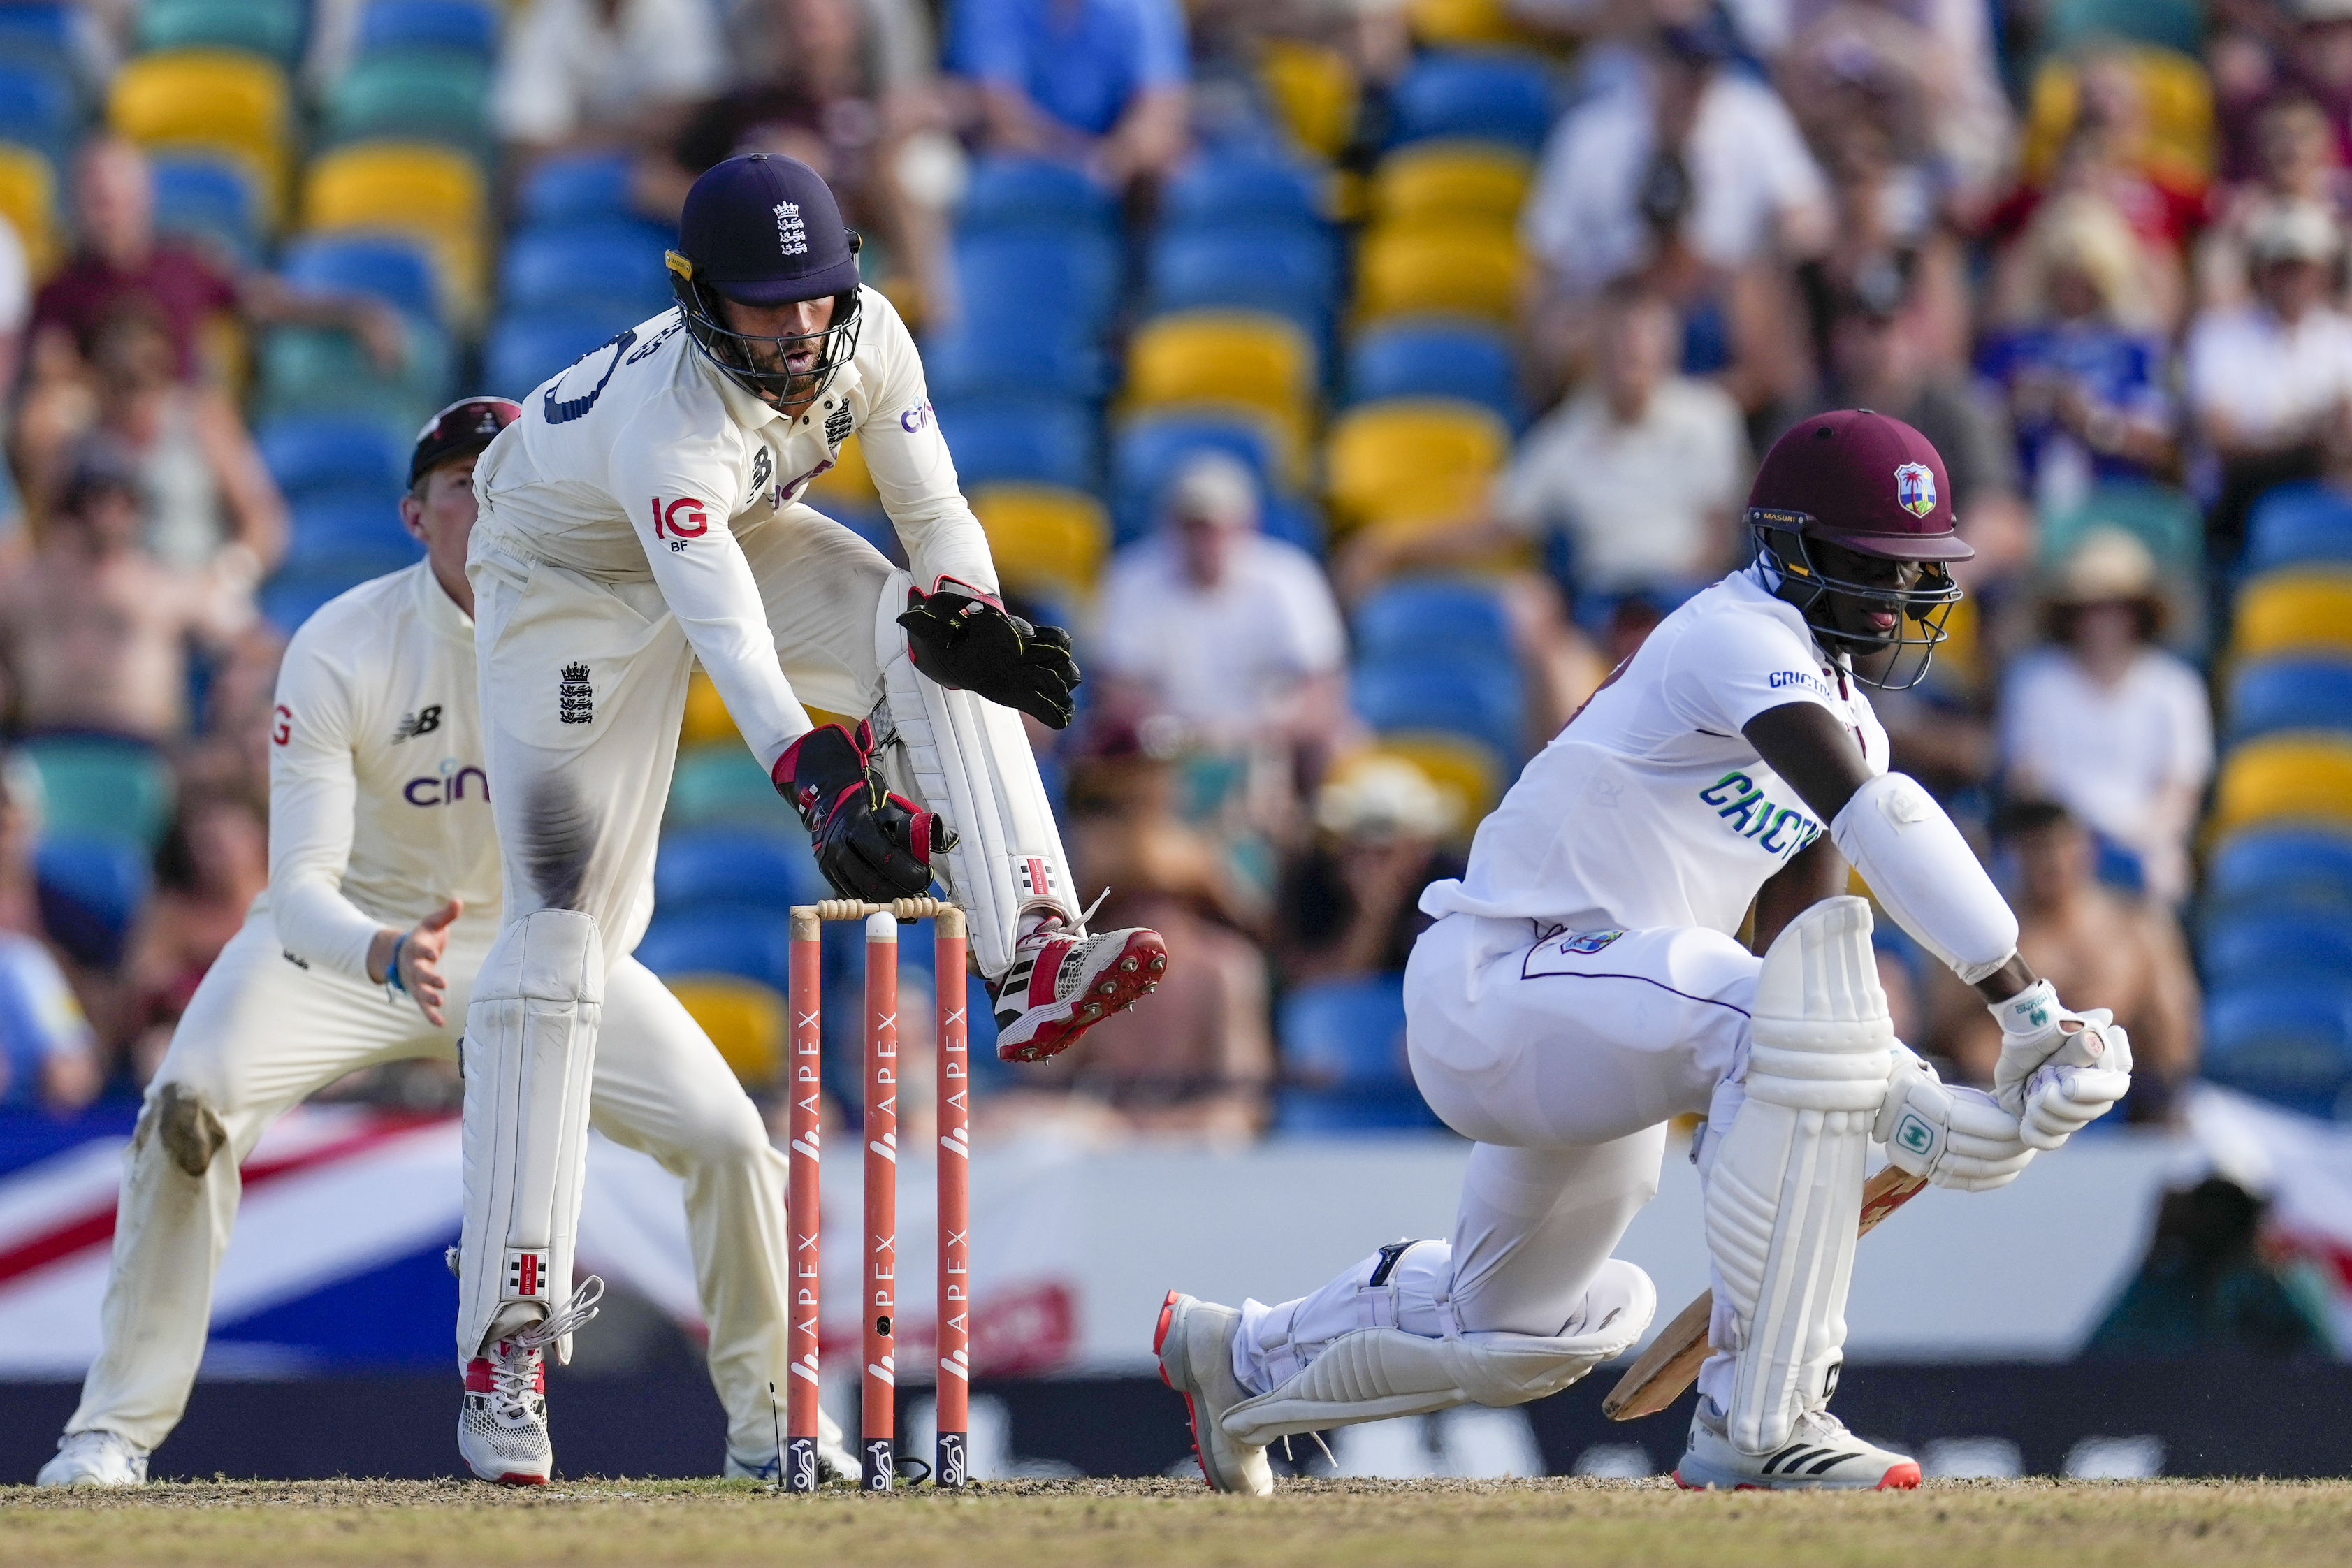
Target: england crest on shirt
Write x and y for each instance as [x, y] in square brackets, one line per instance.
[1914, 489]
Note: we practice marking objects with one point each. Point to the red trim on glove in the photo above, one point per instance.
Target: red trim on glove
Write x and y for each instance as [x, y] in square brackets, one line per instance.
[942, 583]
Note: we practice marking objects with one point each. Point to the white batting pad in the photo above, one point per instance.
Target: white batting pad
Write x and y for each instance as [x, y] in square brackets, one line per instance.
[1783, 1184]
[1373, 1373]
[969, 760]
[530, 1053]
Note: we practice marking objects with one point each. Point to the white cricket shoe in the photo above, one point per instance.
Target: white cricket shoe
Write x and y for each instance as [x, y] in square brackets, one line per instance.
[95, 1459]
[1194, 1343]
[502, 1424]
[1062, 984]
[834, 1460]
[1821, 1453]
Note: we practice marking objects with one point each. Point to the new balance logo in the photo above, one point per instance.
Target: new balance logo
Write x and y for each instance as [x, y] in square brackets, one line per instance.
[424, 721]
[575, 699]
[764, 468]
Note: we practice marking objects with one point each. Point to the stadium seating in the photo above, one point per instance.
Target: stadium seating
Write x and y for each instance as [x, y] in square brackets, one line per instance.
[2306, 523]
[1019, 440]
[2278, 867]
[1436, 357]
[2279, 947]
[1453, 24]
[1148, 450]
[1500, 97]
[2286, 694]
[2288, 1044]
[90, 889]
[293, 596]
[725, 785]
[1448, 183]
[2295, 612]
[268, 27]
[1225, 189]
[578, 188]
[102, 788]
[1411, 270]
[28, 202]
[1284, 271]
[212, 200]
[2176, 25]
[459, 27]
[1435, 616]
[316, 370]
[41, 31]
[1034, 196]
[2280, 779]
[425, 95]
[1314, 91]
[746, 1020]
[525, 350]
[1476, 697]
[234, 105]
[393, 270]
[1410, 459]
[735, 866]
[1229, 359]
[1473, 771]
[353, 532]
[435, 194]
[609, 266]
[1044, 540]
[2165, 519]
[310, 454]
[1343, 1060]
[746, 940]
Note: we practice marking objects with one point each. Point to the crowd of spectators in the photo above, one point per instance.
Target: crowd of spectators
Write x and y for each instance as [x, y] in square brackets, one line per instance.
[2087, 267]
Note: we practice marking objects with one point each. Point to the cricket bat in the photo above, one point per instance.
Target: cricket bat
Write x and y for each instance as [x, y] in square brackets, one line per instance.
[1671, 1363]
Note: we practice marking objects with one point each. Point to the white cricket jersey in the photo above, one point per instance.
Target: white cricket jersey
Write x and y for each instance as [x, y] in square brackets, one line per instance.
[643, 458]
[379, 807]
[1649, 808]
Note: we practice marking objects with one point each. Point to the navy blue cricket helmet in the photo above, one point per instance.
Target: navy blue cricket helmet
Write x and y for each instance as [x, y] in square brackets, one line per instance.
[764, 229]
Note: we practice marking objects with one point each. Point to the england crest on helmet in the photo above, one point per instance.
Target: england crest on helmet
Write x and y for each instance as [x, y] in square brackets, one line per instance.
[1914, 489]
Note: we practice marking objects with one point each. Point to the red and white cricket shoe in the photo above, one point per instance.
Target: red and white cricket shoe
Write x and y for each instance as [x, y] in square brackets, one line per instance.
[1061, 985]
[502, 1426]
[1819, 1454]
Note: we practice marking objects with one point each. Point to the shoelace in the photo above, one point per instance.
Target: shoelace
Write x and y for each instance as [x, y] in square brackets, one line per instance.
[514, 1372]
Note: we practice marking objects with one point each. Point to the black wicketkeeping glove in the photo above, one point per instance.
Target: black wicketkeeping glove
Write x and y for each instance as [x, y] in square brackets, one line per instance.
[965, 643]
[870, 844]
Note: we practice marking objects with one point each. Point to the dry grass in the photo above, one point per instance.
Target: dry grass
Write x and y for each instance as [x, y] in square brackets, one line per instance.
[1070, 1524]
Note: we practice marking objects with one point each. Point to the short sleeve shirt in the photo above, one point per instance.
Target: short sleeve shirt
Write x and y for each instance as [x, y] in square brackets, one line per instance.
[1219, 657]
[1081, 61]
[177, 285]
[40, 1019]
[1651, 808]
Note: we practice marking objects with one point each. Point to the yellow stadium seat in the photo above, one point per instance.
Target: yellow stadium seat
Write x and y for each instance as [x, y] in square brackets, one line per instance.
[1237, 357]
[745, 1019]
[1468, 768]
[1412, 459]
[1414, 268]
[417, 188]
[28, 192]
[1043, 538]
[1315, 90]
[1455, 24]
[2175, 93]
[222, 101]
[708, 721]
[2282, 611]
[2284, 777]
[1451, 182]
[846, 484]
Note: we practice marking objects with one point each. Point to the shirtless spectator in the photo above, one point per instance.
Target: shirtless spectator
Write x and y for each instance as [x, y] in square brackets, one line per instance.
[94, 631]
[2082, 937]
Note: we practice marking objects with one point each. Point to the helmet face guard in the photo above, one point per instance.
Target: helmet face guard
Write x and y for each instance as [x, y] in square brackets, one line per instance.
[1785, 541]
[738, 355]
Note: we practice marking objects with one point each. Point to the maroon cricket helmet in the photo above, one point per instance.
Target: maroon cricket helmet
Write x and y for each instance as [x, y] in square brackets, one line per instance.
[1860, 480]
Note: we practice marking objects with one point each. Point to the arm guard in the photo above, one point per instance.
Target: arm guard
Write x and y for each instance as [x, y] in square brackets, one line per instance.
[1925, 875]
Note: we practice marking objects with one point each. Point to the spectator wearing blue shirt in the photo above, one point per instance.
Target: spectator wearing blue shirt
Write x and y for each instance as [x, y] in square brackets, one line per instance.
[48, 1052]
[2083, 377]
[1098, 83]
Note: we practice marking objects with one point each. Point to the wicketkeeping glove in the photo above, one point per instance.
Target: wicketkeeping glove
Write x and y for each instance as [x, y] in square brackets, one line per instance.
[1953, 1137]
[2036, 1031]
[966, 642]
[870, 844]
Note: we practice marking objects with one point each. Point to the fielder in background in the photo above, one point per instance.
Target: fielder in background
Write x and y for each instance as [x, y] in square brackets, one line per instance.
[644, 512]
[1582, 985]
[382, 899]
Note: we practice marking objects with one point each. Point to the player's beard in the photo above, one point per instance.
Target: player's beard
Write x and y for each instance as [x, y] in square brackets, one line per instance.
[769, 360]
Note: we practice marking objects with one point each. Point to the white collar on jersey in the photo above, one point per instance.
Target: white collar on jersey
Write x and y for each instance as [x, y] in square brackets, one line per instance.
[440, 611]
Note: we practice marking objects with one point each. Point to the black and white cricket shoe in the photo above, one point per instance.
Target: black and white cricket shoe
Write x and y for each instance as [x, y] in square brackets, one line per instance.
[1819, 1454]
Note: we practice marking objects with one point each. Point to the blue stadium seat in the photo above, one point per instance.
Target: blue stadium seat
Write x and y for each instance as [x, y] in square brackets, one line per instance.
[90, 889]
[1436, 359]
[525, 350]
[721, 939]
[2291, 1045]
[397, 271]
[578, 188]
[40, 108]
[463, 26]
[37, 32]
[310, 454]
[1420, 618]
[208, 199]
[292, 597]
[95, 787]
[1065, 284]
[1343, 1058]
[345, 526]
[983, 355]
[1032, 194]
[2306, 522]
[719, 864]
[2304, 867]
[2276, 945]
[1151, 447]
[1021, 440]
[316, 370]
[2290, 694]
[602, 267]
[1226, 190]
[725, 785]
[1462, 696]
[1489, 97]
[1289, 272]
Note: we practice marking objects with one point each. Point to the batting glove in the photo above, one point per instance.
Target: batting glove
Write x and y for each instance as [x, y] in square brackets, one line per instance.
[1955, 1137]
[2091, 1071]
[965, 641]
[870, 844]
[2035, 1024]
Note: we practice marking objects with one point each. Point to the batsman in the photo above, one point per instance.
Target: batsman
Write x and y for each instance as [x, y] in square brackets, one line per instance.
[644, 512]
[1582, 985]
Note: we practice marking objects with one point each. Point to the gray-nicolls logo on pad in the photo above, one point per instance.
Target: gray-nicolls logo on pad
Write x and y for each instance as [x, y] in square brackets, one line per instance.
[575, 699]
